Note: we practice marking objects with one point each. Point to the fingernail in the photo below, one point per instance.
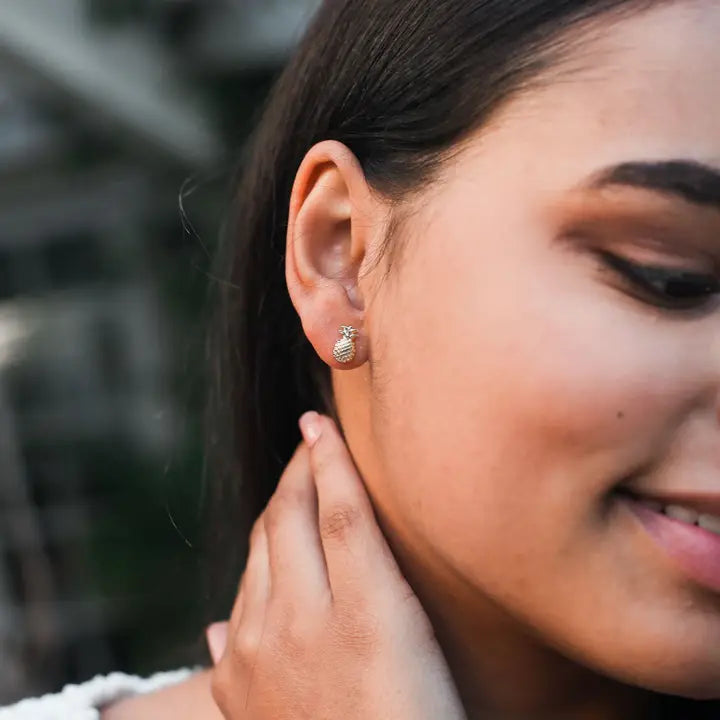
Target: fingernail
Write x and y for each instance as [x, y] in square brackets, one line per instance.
[216, 635]
[310, 426]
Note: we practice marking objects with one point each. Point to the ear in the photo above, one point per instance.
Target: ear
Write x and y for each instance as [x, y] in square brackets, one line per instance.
[333, 220]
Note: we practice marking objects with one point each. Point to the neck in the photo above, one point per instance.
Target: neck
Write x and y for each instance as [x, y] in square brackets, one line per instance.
[501, 670]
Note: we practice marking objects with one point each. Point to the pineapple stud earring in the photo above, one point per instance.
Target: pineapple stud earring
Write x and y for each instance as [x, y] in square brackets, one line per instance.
[344, 350]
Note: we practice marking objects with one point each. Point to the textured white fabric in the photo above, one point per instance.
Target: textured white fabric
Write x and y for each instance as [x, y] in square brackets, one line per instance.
[82, 702]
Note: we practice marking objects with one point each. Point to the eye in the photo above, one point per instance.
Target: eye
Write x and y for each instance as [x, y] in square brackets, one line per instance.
[665, 287]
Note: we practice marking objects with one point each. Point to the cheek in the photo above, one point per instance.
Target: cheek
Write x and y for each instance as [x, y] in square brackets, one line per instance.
[521, 393]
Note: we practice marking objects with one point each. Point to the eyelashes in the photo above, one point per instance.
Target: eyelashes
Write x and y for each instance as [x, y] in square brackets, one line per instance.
[668, 288]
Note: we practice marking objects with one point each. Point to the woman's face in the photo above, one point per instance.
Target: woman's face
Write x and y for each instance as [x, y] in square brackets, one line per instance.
[517, 380]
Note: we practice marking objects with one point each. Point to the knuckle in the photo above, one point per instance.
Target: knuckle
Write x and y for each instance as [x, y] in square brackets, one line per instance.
[271, 516]
[324, 458]
[257, 529]
[277, 509]
[298, 492]
[339, 521]
[245, 644]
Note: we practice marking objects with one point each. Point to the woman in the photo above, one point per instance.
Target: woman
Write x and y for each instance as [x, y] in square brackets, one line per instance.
[509, 215]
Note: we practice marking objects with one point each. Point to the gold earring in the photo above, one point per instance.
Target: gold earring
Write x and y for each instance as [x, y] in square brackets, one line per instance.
[344, 350]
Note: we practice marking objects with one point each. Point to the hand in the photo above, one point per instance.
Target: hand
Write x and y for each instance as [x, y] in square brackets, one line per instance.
[324, 625]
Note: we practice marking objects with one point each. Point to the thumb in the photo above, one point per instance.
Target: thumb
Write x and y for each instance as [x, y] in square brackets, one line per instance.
[216, 635]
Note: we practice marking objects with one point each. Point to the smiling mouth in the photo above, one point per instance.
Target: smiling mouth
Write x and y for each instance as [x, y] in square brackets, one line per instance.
[689, 538]
[702, 511]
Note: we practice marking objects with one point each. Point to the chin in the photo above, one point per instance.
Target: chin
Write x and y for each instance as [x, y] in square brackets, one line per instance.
[693, 676]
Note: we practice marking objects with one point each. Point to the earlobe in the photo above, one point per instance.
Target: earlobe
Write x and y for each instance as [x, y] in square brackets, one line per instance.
[328, 231]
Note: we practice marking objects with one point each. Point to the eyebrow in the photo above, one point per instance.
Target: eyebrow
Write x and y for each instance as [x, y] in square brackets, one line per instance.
[689, 180]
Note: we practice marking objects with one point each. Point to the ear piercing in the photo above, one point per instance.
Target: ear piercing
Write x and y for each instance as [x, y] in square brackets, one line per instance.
[344, 350]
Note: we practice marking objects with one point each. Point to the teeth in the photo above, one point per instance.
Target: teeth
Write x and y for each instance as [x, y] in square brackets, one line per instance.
[681, 513]
[686, 515]
[710, 522]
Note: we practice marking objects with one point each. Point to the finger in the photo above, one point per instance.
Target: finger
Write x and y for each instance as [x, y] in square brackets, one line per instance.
[236, 613]
[357, 555]
[216, 636]
[249, 614]
[297, 562]
[237, 609]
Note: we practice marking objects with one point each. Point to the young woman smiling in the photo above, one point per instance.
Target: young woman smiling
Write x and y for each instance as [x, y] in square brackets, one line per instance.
[508, 506]
[518, 207]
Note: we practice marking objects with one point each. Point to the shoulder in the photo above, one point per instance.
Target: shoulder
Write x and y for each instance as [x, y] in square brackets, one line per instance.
[85, 701]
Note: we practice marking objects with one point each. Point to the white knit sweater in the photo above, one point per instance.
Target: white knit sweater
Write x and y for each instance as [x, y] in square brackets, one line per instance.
[83, 702]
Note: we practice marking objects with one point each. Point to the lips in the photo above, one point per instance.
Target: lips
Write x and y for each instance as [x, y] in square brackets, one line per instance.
[692, 549]
[694, 512]
[703, 503]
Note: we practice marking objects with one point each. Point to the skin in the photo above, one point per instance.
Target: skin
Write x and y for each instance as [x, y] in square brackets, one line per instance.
[505, 383]
[325, 625]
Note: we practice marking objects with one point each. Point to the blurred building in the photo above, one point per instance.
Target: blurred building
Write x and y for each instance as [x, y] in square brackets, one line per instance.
[106, 109]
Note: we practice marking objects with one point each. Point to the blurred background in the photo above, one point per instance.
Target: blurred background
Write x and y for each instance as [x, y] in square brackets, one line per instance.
[121, 123]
